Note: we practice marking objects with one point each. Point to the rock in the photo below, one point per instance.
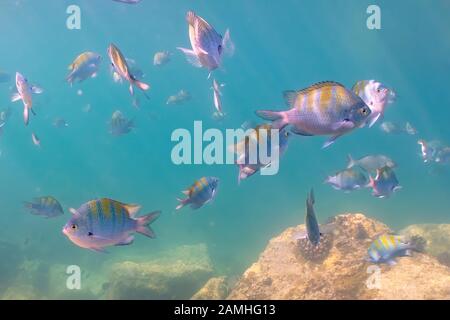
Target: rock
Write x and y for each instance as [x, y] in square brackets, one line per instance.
[437, 237]
[21, 292]
[215, 289]
[177, 275]
[8, 270]
[344, 273]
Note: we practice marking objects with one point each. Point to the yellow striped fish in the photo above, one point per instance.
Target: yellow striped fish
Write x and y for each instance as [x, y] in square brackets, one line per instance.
[386, 247]
[325, 108]
[84, 66]
[104, 222]
[201, 192]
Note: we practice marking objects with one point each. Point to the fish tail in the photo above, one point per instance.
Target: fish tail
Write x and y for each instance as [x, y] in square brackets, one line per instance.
[183, 202]
[371, 183]
[144, 222]
[227, 44]
[278, 117]
[26, 115]
[28, 205]
[141, 85]
[351, 162]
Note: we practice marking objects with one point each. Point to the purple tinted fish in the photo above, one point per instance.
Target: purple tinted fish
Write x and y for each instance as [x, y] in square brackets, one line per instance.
[325, 108]
[208, 46]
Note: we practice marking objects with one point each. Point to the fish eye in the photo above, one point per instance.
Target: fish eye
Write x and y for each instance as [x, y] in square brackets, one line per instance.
[74, 227]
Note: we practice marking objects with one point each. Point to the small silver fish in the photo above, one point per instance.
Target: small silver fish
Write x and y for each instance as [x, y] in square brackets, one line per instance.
[395, 128]
[35, 140]
[371, 163]
[60, 123]
[24, 93]
[376, 95]
[181, 97]
[161, 58]
[217, 96]
[348, 180]
[207, 45]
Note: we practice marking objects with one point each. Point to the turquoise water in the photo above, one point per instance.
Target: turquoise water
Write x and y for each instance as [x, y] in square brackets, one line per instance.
[280, 45]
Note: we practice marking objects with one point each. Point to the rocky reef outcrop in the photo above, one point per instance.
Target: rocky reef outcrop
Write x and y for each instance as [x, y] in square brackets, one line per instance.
[437, 238]
[283, 272]
[216, 288]
[177, 275]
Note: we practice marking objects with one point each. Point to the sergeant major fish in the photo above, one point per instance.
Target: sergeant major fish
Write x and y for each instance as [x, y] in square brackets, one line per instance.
[46, 206]
[200, 193]
[386, 247]
[104, 222]
[325, 108]
[120, 66]
[85, 66]
[207, 45]
[248, 166]
[120, 125]
[24, 93]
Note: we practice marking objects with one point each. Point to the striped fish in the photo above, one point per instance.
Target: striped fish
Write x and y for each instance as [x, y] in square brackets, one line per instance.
[84, 66]
[120, 125]
[104, 222]
[120, 66]
[201, 192]
[376, 95]
[46, 206]
[325, 108]
[243, 149]
[207, 45]
[386, 247]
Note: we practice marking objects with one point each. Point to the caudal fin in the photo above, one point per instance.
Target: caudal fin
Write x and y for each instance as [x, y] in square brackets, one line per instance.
[183, 202]
[278, 118]
[227, 44]
[144, 222]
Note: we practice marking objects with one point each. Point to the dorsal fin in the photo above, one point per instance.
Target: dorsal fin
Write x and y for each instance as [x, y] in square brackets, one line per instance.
[132, 208]
[290, 96]
[319, 85]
